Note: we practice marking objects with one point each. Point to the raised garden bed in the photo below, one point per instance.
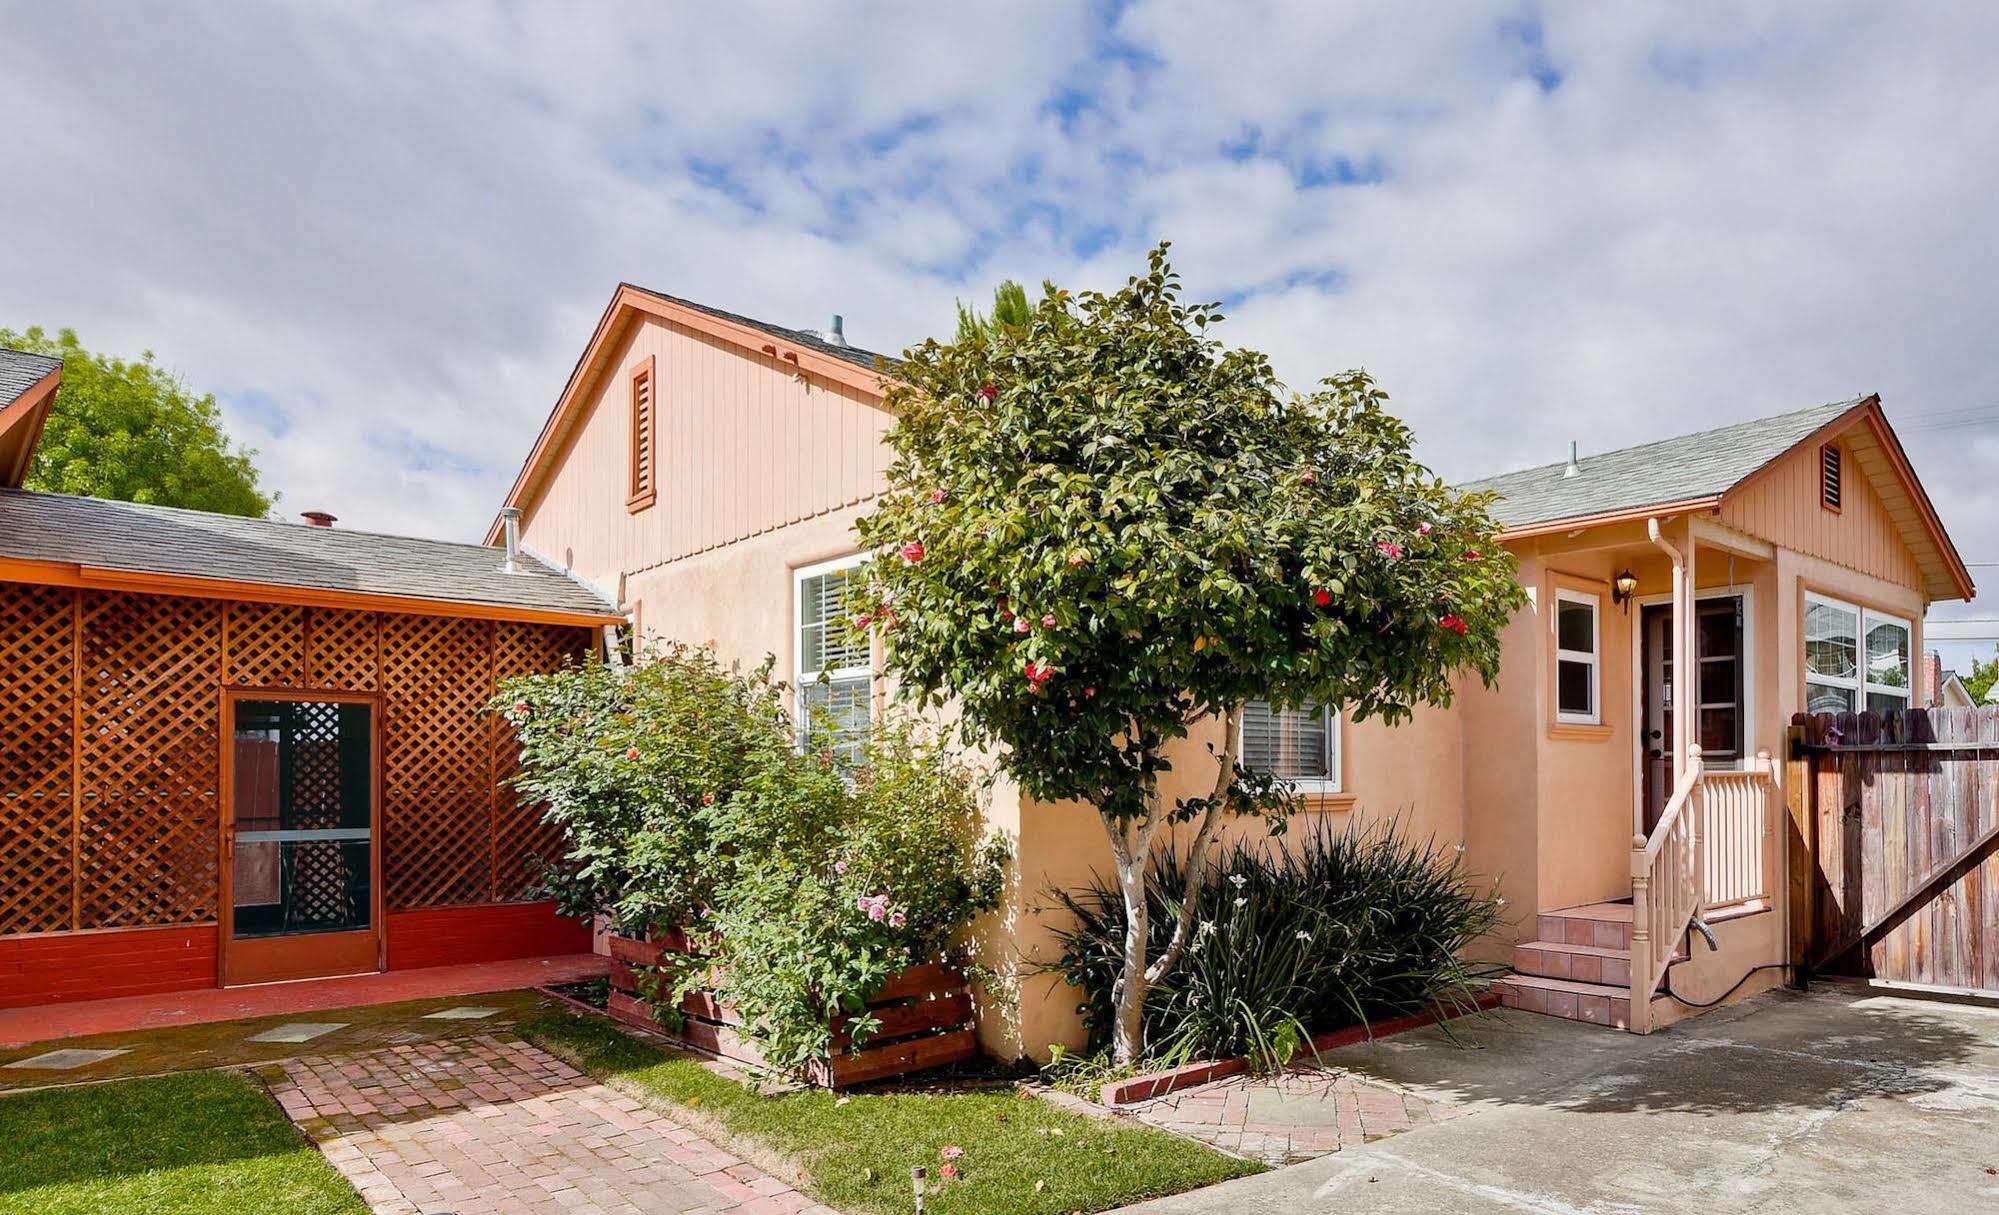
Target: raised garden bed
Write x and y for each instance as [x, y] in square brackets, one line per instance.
[925, 1014]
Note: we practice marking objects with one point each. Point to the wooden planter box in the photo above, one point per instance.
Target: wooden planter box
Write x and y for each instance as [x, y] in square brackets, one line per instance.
[925, 1014]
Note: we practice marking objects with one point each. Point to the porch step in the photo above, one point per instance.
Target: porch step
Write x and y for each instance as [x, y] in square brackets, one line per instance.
[1604, 925]
[1580, 963]
[1592, 1003]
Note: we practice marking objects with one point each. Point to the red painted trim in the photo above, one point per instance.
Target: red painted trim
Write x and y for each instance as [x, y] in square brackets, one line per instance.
[1158, 1084]
[58, 967]
[449, 936]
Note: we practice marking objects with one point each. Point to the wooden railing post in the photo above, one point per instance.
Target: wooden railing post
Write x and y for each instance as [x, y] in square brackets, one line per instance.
[1641, 937]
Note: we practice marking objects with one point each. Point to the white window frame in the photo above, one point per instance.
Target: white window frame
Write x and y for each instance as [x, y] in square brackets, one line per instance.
[1333, 782]
[1860, 685]
[1593, 659]
[800, 676]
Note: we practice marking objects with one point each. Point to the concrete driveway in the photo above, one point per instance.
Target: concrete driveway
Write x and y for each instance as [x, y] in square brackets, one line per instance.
[1836, 1101]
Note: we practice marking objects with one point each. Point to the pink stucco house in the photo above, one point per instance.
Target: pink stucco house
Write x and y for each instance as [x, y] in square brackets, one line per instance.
[703, 470]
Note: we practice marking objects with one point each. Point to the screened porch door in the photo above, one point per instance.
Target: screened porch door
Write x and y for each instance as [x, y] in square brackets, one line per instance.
[1718, 682]
[299, 838]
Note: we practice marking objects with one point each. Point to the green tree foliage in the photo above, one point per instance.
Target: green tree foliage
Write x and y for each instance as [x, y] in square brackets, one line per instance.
[1983, 675]
[1106, 530]
[134, 432]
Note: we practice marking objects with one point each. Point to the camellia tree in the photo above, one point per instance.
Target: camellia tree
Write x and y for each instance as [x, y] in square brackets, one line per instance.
[1106, 532]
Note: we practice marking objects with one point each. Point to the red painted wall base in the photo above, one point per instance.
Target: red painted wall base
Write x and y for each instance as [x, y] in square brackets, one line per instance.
[61, 967]
[55, 968]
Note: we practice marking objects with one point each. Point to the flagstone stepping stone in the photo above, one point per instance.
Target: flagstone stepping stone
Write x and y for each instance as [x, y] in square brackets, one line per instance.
[298, 1031]
[64, 1060]
[462, 1014]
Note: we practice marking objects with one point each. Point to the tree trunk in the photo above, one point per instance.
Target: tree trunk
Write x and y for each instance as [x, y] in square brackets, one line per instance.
[1128, 1033]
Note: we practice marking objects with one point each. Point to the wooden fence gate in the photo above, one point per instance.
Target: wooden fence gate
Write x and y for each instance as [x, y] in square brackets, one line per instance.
[1895, 846]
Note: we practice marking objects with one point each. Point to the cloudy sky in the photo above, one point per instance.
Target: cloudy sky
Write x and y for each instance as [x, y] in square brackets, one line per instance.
[381, 233]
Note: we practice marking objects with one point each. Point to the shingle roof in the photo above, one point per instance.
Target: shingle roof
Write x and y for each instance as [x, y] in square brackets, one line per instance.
[20, 371]
[1700, 465]
[130, 537]
[801, 337]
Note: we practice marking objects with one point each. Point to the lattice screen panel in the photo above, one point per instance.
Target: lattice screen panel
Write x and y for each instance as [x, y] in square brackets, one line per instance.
[437, 674]
[149, 760]
[342, 649]
[519, 834]
[37, 705]
[266, 645]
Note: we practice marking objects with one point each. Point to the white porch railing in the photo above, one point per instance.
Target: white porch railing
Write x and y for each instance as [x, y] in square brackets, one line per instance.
[1712, 847]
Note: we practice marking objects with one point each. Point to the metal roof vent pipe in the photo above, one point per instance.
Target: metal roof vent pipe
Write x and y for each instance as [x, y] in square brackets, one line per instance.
[510, 520]
[836, 333]
[1573, 469]
[318, 518]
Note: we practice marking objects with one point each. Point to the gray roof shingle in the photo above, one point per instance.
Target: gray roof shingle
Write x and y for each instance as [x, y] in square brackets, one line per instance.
[136, 538]
[1652, 474]
[800, 337]
[20, 371]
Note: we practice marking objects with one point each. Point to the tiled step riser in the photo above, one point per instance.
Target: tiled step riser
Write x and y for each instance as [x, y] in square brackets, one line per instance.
[1577, 930]
[1581, 967]
[1607, 1010]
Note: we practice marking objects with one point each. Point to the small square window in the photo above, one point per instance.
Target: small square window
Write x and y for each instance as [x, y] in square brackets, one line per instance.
[1300, 746]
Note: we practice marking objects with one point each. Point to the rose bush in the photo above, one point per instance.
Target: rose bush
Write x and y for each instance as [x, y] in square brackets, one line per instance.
[686, 802]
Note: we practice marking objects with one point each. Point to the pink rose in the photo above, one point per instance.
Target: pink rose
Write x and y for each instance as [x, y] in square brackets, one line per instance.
[912, 552]
[897, 920]
[1390, 550]
[1022, 626]
[1048, 621]
[1424, 530]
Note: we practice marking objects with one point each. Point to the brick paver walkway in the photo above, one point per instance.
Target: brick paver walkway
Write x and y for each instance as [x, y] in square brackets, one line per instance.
[492, 1126]
[1299, 1114]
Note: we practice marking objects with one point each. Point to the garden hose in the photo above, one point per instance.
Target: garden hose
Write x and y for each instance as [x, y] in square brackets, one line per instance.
[1724, 995]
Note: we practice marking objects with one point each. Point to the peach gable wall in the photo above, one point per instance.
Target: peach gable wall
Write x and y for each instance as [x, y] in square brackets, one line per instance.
[1781, 505]
[745, 447]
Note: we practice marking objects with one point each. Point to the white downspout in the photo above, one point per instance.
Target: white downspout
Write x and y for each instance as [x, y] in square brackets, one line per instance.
[1682, 598]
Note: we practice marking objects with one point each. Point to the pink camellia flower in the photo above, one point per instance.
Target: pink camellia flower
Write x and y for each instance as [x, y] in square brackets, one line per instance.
[632, 753]
[1425, 530]
[897, 920]
[1322, 596]
[839, 866]
[521, 707]
[1048, 621]
[913, 551]
[1307, 477]
[1390, 550]
[988, 393]
[707, 799]
[877, 913]
[1454, 623]
[1471, 554]
[1037, 674]
[1022, 626]
[954, 1152]
[1089, 693]
[938, 497]
[947, 1171]
[863, 621]
[1006, 614]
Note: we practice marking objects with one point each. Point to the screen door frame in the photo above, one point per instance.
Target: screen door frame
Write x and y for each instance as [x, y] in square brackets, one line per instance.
[298, 955]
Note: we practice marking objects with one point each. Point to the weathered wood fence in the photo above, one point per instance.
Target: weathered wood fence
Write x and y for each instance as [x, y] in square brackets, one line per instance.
[1895, 846]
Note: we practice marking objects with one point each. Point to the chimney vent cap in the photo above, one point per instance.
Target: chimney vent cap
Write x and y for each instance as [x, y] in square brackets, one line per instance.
[318, 518]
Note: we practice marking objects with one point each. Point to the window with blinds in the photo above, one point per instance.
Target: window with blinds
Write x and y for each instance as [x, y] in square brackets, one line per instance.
[1829, 481]
[835, 669]
[1300, 746]
[644, 489]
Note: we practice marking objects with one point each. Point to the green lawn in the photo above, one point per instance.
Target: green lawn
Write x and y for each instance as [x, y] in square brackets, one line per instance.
[1022, 1156]
[207, 1142]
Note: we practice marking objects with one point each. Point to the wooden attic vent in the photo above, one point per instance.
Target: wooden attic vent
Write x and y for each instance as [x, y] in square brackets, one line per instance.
[645, 438]
[1829, 483]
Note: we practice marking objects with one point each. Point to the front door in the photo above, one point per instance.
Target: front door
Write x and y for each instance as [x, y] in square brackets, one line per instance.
[1718, 684]
[298, 839]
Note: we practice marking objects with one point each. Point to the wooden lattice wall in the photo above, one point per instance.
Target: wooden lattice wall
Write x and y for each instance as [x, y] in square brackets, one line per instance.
[111, 735]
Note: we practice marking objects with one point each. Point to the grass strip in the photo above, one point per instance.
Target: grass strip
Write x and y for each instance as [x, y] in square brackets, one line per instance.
[1021, 1156]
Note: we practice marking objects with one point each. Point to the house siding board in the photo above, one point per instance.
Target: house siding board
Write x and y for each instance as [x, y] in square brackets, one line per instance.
[746, 448]
[1783, 506]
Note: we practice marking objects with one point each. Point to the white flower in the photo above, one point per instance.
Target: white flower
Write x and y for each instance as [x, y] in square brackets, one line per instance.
[1303, 935]
[1239, 880]
[1501, 902]
[1241, 902]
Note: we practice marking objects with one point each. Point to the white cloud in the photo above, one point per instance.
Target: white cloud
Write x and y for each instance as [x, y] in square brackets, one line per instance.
[381, 232]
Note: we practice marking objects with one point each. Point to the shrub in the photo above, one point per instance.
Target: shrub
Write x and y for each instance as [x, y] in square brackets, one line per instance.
[803, 883]
[1354, 925]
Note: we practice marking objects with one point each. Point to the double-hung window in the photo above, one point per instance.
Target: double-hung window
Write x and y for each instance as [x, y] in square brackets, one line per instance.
[835, 675]
[1578, 657]
[1856, 659]
[1299, 746]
